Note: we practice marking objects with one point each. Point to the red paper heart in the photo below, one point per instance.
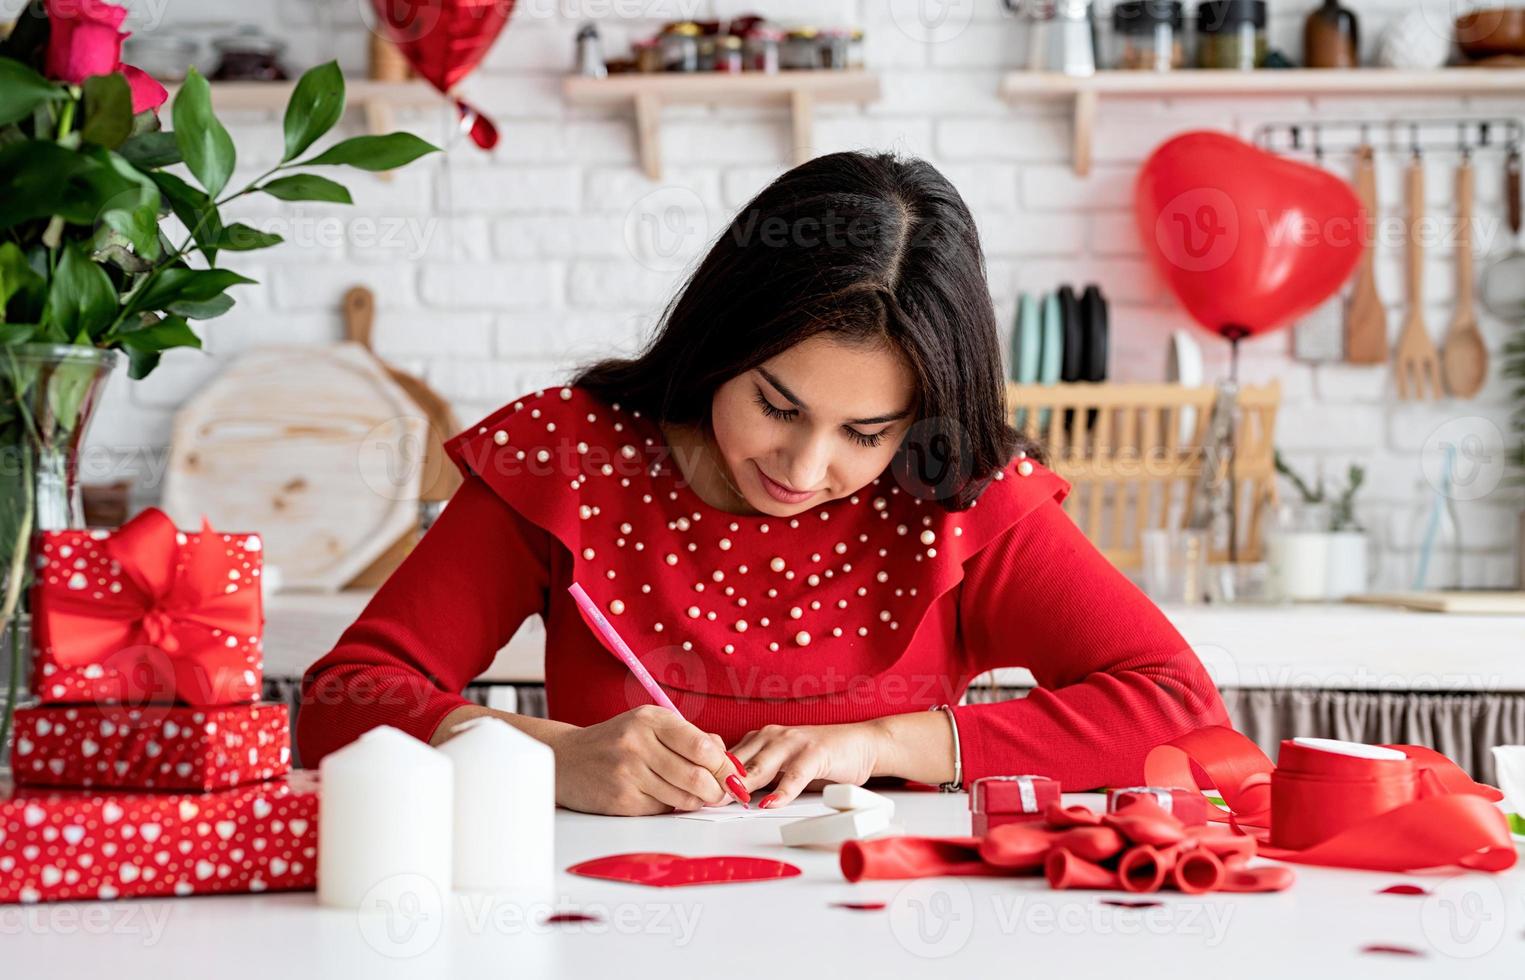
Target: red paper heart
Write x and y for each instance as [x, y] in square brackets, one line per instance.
[670, 870]
[1248, 241]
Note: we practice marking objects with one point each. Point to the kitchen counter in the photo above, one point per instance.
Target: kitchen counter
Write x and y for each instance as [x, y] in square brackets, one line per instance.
[951, 926]
[1326, 647]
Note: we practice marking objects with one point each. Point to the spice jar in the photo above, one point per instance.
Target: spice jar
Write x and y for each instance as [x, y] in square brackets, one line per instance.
[728, 54]
[680, 47]
[801, 50]
[1149, 35]
[648, 54]
[1231, 34]
[762, 44]
[835, 44]
[855, 50]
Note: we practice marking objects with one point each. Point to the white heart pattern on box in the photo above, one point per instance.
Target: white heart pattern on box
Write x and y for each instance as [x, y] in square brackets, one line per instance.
[159, 748]
[151, 844]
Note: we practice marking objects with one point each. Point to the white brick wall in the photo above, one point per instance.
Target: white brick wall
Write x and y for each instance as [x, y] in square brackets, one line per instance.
[497, 272]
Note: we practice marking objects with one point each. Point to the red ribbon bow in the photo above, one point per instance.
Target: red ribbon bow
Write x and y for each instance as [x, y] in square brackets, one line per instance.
[169, 624]
[1321, 808]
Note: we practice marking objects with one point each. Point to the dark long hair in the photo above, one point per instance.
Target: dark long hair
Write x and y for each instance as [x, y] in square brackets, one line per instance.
[871, 249]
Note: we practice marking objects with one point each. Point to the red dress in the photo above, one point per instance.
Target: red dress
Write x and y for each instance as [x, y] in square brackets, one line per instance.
[879, 603]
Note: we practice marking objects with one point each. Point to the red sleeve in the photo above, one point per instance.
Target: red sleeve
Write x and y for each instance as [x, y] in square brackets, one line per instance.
[1115, 678]
[435, 624]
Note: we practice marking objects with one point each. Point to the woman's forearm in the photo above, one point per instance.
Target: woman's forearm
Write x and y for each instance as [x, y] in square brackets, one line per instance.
[540, 729]
[917, 745]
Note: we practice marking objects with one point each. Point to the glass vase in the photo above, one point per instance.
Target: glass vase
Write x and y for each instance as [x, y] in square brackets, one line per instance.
[48, 393]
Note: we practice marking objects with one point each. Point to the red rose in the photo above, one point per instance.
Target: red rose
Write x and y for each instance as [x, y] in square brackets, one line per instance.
[85, 38]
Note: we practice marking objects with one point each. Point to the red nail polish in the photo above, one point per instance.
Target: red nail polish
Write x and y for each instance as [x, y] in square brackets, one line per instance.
[733, 783]
[767, 801]
[737, 763]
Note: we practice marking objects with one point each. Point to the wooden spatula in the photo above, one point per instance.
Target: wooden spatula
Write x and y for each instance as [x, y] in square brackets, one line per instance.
[1464, 356]
[1365, 317]
[1415, 362]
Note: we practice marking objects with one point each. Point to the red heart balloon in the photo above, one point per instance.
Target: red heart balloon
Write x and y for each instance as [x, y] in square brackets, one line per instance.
[669, 870]
[1248, 241]
[444, 40]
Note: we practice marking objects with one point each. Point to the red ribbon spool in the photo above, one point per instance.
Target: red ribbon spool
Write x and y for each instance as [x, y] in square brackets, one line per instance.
[1341, 811]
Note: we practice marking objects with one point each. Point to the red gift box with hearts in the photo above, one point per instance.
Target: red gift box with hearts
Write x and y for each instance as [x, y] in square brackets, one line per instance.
[63, 845]
[147, 614]
[158, 747]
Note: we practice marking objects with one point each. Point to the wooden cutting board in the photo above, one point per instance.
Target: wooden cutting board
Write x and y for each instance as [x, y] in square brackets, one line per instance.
[308, 446]
[1468, 603]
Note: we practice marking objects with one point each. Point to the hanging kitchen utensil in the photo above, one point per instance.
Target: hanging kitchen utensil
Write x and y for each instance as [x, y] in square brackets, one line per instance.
[1503, 288]
[1464, 356]
[1415, 362]
[1365, 316]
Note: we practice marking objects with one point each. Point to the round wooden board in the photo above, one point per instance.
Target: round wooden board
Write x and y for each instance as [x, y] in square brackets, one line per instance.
[315, 448]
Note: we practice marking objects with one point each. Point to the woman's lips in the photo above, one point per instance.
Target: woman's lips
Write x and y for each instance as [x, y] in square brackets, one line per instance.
[779, 492]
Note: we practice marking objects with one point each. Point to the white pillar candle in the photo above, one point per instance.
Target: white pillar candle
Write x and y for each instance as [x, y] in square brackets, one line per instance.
[384, 824]
[505, 809]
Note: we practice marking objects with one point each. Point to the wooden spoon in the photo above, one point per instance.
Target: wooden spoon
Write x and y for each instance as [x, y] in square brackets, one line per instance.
[1415, 362]
[1464, 355]
[1365, 317]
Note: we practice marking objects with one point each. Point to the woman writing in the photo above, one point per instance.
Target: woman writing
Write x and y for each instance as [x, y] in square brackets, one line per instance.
[803, 507]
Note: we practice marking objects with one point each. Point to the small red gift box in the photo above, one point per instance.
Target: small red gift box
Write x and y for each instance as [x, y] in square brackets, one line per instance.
[147, 614]
[997, 800]
[1187, 805]
[60, 845]
[160, 747]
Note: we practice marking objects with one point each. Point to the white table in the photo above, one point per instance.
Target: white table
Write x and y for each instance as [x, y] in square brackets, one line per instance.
[970, 927]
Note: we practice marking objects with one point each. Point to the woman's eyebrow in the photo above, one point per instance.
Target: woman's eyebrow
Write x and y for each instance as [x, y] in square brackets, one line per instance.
[783, 389]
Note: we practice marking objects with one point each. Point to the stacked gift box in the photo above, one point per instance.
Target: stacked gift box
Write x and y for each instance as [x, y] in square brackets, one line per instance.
[148, 765]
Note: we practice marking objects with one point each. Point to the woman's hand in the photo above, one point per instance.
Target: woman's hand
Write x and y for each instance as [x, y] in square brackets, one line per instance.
[797, 757]
[645, 761]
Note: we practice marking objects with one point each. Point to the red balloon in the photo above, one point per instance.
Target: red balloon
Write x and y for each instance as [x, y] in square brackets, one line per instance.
[1247, 240]
[444, 40]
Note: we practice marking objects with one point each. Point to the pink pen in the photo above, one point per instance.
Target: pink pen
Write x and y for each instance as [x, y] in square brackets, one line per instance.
[606, 629]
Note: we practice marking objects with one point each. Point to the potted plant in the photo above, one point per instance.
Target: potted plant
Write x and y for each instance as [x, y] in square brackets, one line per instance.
[1319, 551]
[111, 232]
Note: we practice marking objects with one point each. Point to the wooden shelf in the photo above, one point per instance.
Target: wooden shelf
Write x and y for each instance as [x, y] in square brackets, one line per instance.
[377, 99]
[647, 93]
[1087, 91]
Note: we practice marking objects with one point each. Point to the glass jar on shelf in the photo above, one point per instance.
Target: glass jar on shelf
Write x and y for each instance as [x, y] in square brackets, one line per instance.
[680, 47]
[855, 57]
[762, 49]
[648, 54]
[1231, 34]
[801, 50]
[248, 55]
[836, 43]
[728, 54]
[1149, 35]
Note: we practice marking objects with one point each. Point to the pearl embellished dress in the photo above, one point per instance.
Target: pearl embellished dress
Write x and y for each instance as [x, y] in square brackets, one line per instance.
[877, 603]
